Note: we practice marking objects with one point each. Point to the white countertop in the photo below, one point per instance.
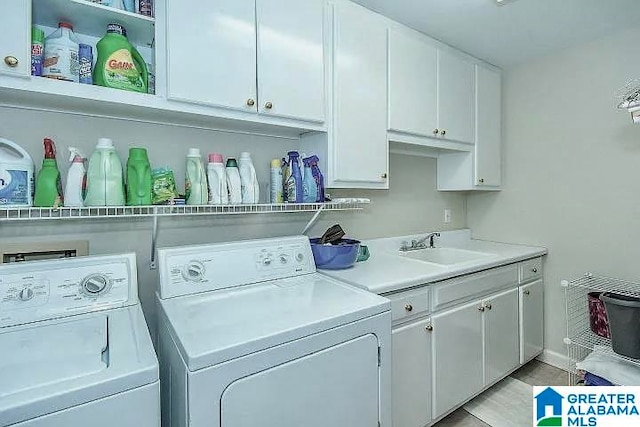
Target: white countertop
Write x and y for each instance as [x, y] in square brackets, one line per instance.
[388, 271]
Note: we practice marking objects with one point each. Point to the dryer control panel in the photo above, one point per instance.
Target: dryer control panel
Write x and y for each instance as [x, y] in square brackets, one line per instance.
[41, 290]
[195, 269]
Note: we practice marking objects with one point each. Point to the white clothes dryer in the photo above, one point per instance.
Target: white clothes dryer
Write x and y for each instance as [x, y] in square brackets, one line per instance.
[250, 335]
[75, 347]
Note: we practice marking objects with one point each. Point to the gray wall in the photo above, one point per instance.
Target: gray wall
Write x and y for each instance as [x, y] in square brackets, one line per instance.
[411, 205]
[571, 168]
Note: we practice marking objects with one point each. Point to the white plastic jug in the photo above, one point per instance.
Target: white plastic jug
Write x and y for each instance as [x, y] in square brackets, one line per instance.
[16, 175]
[249, 181]
[196, 190]
[105, 186]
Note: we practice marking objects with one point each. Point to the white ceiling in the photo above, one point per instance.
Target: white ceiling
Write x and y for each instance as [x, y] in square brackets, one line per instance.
[516, 31]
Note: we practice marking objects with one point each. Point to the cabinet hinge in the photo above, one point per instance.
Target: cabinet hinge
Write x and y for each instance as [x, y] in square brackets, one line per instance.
[379, 362]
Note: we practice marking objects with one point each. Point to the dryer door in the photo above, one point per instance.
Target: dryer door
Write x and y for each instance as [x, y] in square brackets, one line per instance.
[337, 387]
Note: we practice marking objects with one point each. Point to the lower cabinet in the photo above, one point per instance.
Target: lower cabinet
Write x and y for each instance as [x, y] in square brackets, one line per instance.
[412, 375]
[502, 349]
[457, 351]
[531, 320]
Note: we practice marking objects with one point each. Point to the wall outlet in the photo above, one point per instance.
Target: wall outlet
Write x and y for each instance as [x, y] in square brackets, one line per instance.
[447, 216]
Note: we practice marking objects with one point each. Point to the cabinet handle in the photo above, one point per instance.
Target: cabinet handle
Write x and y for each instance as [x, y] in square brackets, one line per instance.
[488, 305]
[534, 270]
[384, 176]
[443, 132]
[429, 327]
[268, 105]
[527, 292]
[408, 307]
[436, 131]
[481, 308]
[251, 102]
[11, 61]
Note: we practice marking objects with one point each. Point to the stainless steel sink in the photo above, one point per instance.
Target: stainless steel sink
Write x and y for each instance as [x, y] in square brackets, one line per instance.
[446, 256]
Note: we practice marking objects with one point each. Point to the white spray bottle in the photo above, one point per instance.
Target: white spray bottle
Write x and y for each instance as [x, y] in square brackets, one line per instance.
[76, 180]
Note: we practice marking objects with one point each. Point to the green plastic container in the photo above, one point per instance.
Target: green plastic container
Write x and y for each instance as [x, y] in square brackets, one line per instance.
[48, 183]
[139, 183]
[119, 65]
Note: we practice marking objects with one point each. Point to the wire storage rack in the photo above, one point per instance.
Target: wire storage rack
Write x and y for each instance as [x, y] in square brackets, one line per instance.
[581, 340]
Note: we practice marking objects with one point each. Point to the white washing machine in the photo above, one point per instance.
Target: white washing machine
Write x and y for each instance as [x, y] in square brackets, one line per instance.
[250, 335]
[75, 348]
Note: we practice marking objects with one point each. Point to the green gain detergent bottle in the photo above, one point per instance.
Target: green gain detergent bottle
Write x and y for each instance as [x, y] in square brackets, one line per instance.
[119, 65]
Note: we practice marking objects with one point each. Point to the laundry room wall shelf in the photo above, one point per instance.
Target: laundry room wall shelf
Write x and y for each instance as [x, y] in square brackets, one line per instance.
[154, 212]
[580, 339]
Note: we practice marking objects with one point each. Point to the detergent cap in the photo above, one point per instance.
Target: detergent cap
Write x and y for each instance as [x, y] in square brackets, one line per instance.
[104, 143]
[215, 158]
[193, 152]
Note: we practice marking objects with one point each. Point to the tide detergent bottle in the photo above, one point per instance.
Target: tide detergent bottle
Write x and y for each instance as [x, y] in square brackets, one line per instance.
[119, 65]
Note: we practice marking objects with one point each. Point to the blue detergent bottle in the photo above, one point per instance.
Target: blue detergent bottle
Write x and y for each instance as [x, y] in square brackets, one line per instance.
[309, 184]
[294, 188]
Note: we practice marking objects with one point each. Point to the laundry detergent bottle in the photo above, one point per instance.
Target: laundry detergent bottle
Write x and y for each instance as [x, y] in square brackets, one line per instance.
[138, 178]
[49, 181]
[119, 65]
[105, 186]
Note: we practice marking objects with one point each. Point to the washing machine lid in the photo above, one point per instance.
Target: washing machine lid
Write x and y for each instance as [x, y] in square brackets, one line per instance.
[214, 327]
[54, 365]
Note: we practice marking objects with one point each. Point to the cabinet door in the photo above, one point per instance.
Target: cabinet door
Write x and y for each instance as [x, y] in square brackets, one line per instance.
[501, 335]
[211, 52]
[360, 147]
[531, 320]
[15, 44]
[456, 97]
[291, 58]
[412, 84]
[411, 390]
[488, 127]
[457, 352]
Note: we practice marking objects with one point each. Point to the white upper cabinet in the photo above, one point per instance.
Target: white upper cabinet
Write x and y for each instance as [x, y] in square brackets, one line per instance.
[211, 52]
[413, 100]
[291, 58]
[263, 56]
[360, 147]
[488, 127]
[456, 96]
[15, 54]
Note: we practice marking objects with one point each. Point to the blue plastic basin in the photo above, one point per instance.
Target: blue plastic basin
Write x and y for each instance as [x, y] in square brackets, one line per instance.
[335, 257]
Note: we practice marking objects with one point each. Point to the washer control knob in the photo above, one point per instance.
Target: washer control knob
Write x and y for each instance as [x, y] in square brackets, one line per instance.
[284, 259]
[95, 284]
[26, 294]
[267, 261]
[193, 271]
[299, 257]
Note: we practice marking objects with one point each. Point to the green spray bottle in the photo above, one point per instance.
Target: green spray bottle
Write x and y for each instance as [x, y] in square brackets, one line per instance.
[49, 183]
[119, 64]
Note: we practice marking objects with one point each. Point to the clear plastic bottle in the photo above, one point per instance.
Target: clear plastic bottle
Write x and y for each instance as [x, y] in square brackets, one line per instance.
[196, 190]
[248, 180]
[61, 54]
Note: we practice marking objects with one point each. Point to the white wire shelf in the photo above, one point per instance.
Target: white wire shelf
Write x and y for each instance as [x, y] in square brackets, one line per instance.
[581, 340]
[69, 213]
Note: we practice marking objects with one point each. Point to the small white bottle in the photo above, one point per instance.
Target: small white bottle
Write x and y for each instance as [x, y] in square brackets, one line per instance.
[276, 188]
[248, 180]
[234, 185]
[76, 179]
[196, 190]
[217, 176]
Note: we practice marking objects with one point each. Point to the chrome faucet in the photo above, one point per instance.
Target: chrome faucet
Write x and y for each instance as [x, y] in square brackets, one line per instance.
[420, 243]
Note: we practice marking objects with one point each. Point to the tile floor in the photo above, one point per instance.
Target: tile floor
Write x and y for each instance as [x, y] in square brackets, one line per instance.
[534, 373]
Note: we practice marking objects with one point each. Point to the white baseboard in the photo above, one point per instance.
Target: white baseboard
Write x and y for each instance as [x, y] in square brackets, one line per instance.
[553, 358]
